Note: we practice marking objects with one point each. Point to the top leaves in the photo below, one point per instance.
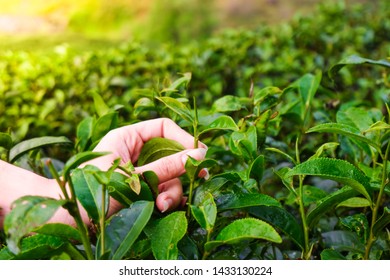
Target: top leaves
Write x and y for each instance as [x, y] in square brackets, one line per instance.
[157, 148]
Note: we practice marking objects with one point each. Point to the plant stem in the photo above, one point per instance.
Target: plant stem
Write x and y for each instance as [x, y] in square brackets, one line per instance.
[192, 184]
[195, 125]
[74, 211]
[372, 238]
[306, 250]
[103, 221]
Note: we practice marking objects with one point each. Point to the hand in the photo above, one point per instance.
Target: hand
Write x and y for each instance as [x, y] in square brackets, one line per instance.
[126, 143]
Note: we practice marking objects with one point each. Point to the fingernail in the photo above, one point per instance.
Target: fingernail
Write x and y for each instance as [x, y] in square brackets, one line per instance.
[204, 173]
[166, 204]
[197, 154]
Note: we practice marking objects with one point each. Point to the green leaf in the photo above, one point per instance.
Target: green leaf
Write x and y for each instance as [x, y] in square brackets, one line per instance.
[265, 93]
[5, 141]
[103, 125]
[28, 212]
[101, 107]
[357, 223]
[337, 170]
[281, 219]
[244, 143]
[125, 226]
[177, 107]
[35, 247]
[143, 104]
[89, 191]
[152, 180]
[84, 133]
[354, 202]
[256, 169]
[193, 166]
[355, 60]
[183, 81]
[78, 159]
[382, 222]
[331, 254]
[237, 201]
[25, 146]
[205, 213]
[345, 130]
[157, 148]
[343, 241]
[228, 103]
[220, 123]
[244, 229]
[307, 86]
[328, 203]
[121, 191]
[134, 183]
[61, 230]
[327, 146]
[166, 235]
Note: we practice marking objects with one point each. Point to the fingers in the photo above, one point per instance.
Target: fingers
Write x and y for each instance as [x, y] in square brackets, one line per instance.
[171, 194]
[173, 166]
[165, 128]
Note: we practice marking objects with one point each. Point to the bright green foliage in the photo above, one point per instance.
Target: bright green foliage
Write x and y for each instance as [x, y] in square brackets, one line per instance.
[157, 148]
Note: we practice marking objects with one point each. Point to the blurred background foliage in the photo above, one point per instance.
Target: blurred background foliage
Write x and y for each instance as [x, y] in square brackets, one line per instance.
[178, 21]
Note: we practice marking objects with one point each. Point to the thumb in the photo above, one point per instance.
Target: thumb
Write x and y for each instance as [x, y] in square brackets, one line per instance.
[172, 166]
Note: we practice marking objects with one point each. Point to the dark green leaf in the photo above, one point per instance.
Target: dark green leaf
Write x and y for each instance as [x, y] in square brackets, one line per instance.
[281, 219]
[328, 203]
[382, 222]
[331, 254]
[27, 213]
[5, 141]
[157, 148]
[337, 170]
[346, 130]
[25, 146]
[125, 227]
[78, 159]
[168, 232]
[256, 169]
[103, 125]
[355, 60]
[343, 241]
[88, 191]
[237, 201]
[357, 223]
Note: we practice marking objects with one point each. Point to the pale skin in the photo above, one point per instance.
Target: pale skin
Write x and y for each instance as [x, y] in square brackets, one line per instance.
[124, 143]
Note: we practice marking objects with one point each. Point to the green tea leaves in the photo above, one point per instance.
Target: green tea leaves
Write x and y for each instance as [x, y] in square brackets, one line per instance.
[337, 170]
[28, 213]
[157, 148]
[168, 232]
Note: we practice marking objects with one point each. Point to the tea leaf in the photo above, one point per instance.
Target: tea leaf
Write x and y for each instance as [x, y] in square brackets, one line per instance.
[227, 103]
[183, 81]
[221, 123]
[103, 125]
[327, 146]
[354, 202]
[25, 146]
[281, 219]
[357, 223]
[125, 226]
[84, 132]
[331, 254]
[101, 107]
[355, 60]
[88, 191]
[61, 230]
[134, 183]
[337, 170]
[78, 159]
[205, 213]
[237, 201]
[329, 202]
[256, 169]
[382, 222]
[193, 166]
[28, 212]
[152, 180]
[243, 229]
[168, 232]
[344, 129]
[157, 148]
[5, 141]
[177, 107]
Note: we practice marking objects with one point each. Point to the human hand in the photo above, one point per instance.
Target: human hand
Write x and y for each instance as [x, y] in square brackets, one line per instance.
[126, 143]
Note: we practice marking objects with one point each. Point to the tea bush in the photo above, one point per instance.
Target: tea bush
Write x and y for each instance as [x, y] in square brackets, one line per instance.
[295, 117]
